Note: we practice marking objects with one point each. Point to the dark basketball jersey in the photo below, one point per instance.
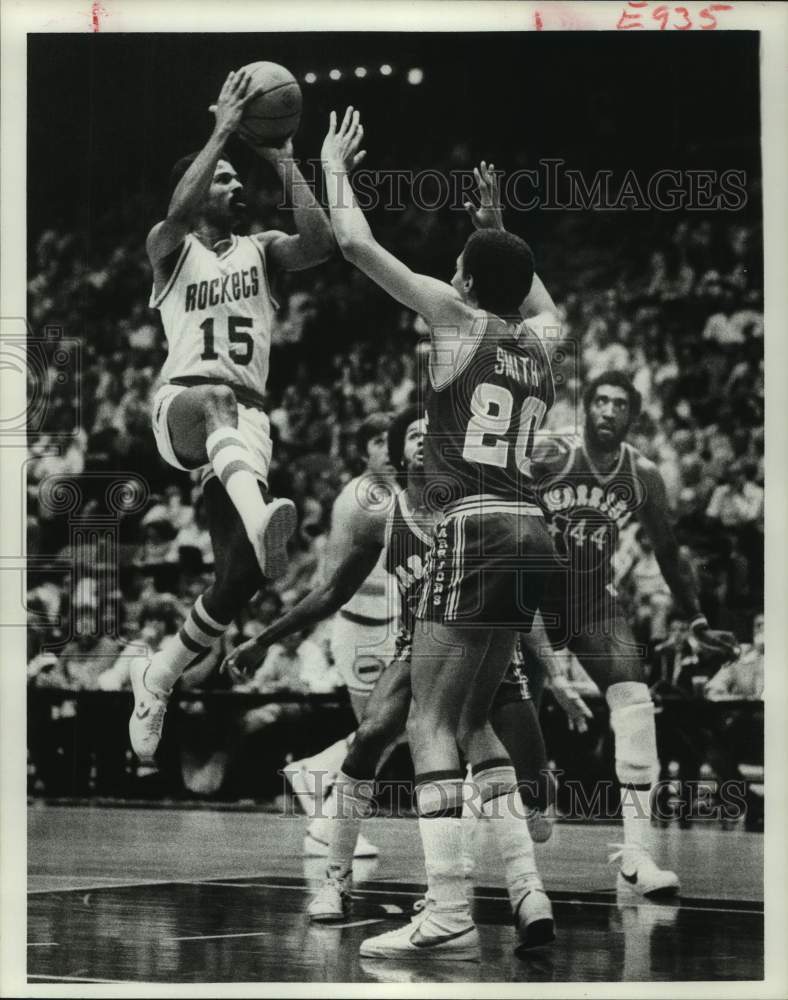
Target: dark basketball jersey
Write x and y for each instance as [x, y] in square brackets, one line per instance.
[407, 545]
[585, 510]
[481, 422]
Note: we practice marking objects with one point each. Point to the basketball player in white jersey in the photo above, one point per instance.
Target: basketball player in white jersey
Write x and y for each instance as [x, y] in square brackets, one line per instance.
[362, 640]
[213, 291]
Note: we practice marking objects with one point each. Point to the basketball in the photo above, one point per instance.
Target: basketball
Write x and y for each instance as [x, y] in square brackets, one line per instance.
[273, 116]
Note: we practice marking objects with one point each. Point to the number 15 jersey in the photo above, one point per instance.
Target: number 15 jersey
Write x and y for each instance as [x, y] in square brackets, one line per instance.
[218, 314]
[489, 394]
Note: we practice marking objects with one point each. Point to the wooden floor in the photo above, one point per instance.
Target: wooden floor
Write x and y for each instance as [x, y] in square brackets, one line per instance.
[177, 896]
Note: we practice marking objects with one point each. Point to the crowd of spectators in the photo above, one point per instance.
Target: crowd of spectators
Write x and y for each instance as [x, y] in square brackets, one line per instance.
[676, 302]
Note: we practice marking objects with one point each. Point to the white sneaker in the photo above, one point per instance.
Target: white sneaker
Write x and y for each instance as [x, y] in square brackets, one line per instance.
[430, 933]
[539, 826]
[639, 873]
[333, 900]
[316, 847]
[533, 917]
[279, 523]
[147, 717]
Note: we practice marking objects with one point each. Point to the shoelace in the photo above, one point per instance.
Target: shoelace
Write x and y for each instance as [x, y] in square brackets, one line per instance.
[617, 852]
[420, 909]
[338, 884]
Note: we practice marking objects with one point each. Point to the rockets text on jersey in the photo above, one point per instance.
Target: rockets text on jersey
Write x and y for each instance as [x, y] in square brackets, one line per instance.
[482, 419]
[218, 313]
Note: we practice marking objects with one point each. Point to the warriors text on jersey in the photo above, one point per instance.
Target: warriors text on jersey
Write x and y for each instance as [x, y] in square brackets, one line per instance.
[218, 312]
[482, 418]
[585, 510]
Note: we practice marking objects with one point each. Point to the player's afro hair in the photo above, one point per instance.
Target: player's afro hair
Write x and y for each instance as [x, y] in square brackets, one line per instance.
[179, 169]
[502, 267]
[397, 430]
[621, 381]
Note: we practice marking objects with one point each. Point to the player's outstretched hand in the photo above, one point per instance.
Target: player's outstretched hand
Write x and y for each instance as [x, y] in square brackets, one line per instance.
[244, 660]
[236, 93]
[489, 213]
[341, 145]
[577, 712]
[718, 642]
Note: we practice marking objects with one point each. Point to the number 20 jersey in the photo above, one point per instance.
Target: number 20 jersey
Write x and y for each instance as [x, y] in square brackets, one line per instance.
[218, 314]
[482, 417]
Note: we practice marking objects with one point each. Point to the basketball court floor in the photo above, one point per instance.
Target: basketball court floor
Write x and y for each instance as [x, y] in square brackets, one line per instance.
[123, 895]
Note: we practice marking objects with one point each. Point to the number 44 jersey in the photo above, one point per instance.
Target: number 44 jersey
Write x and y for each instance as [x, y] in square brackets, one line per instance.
[218, 313]
[489, 394]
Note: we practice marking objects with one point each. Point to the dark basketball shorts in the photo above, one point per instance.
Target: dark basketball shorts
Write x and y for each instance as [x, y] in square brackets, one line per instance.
[513, 687]
[487, 565]
[576, 604]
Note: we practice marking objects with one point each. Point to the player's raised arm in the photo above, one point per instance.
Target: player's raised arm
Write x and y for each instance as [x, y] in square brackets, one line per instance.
[357, 560]
[673, 561]
[435, 300]
[193, 187]
[313, 242]
[488, 214]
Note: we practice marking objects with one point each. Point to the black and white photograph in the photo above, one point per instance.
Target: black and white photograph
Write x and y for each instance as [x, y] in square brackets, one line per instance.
[385, 524]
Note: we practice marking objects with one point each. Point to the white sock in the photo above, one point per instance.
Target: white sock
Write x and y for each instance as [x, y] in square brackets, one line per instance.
[320, 827]
[470, 818]
[232, 462]
[196, 637]
[637, 765]
[351, 802]
[439, 804]
[636, 813]
[500, 801]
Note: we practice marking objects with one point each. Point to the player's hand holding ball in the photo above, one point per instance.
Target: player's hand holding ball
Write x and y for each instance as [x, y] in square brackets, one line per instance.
[341, 146]
[235, 95]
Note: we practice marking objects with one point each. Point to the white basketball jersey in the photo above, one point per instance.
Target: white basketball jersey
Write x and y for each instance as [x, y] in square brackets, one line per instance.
[377, 596]
[218, 314]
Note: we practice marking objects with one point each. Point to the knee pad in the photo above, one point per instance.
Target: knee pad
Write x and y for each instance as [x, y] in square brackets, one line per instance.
[632, 721]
